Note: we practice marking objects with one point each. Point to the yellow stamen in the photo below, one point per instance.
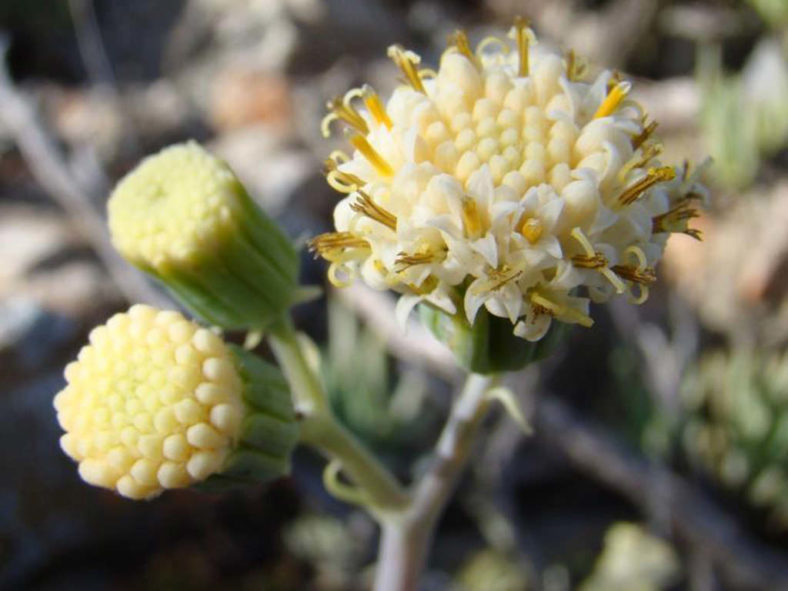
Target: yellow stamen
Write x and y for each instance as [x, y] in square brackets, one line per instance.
[638, 140]
[676, 220]
[331, 245]
[594, 260]
[575, 67]
[471, 218]
[647, 153]
[341, 181]
[371, 154]
[521, 38]
[532, 230]
[375, 106]
[639, 275]
[365, 206]
[502, 276]
[546, 306]
[613, 99]
[459, 41]
[407, 62]
[423, 256]
[340, 109]
[654, 176]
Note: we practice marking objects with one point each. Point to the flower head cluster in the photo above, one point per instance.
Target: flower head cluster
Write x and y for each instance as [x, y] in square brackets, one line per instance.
[153, 402]
[508, 179]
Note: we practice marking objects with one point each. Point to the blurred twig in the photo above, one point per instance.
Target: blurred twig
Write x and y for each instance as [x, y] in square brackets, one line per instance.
[693, 517]
[48, 164]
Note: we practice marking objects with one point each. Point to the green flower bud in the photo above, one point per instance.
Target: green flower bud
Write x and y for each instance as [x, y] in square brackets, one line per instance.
[155, 401]
[184, 217]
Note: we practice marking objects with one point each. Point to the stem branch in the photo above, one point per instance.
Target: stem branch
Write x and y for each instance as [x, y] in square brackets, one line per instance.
[406, 536]
[321, 430]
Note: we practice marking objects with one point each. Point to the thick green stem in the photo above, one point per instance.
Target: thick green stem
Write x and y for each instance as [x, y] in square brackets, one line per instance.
[321, 430]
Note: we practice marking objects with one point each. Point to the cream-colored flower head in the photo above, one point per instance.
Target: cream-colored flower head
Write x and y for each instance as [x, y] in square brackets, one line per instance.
[183, 216]
[507, 179]
[157, 402]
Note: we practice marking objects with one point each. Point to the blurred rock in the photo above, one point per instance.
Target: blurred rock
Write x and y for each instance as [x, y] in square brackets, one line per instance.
[45, 266]
[242, 97]
[268, 167]
[28, 235]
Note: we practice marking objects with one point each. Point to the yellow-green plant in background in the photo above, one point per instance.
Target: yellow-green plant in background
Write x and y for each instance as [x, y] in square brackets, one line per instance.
[737, 430]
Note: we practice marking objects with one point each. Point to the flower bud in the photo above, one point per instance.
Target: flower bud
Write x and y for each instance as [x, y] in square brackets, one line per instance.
[155, 401]
[184, 217]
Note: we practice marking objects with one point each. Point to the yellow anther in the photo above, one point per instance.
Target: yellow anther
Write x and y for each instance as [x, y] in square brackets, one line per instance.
[331, 245]
[641, 275]
[617, 94]
[575, 67]
[640, 138]
[375, 106]
[371, 154]
[471, 218]
[422, 256]
[407, 61]
[532, 230]
[654, 176]
[546, 306]
[365, 206]
[521, 38]
[459, 41]
[594, 260]
[676, 220]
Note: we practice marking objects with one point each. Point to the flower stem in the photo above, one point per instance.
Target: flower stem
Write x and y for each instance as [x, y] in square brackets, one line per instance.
[321, 430]
[407, 535]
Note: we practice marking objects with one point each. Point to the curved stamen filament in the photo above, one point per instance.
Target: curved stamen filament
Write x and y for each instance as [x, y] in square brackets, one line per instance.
[654, 176]
[522, 41]
[371, 154]
[491, 41]
[613, 99]
[341, 181]
[375, 106]
[365, 206]
[340, 109]
[407, 61]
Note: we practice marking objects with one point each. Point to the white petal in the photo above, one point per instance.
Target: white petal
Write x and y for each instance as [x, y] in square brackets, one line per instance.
[551, 246]
[480, 186]
[550, 212]
[473, 301]
[404, 307]
[488, 248]
[533, 329]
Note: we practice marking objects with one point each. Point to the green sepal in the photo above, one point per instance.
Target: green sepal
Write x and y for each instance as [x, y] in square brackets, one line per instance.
[246, 281]
[490, 345]
[269, 431]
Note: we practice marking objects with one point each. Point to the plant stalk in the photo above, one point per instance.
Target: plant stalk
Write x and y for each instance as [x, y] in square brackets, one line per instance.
[406, 536]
